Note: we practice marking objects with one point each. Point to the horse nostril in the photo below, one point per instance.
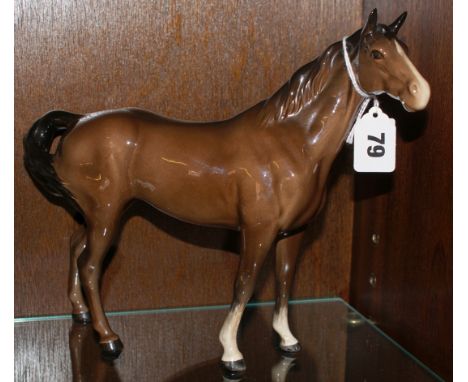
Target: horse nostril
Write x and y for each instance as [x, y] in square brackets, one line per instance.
[413, 88]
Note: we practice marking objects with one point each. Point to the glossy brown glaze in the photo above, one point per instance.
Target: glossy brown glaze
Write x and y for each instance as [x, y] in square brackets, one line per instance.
[216, 70]
[262, 172]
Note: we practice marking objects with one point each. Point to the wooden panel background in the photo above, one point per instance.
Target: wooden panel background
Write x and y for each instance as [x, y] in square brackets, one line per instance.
[412, 210]
[197, 60]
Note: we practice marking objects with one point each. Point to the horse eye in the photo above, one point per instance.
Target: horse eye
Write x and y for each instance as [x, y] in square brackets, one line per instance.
[376, 55]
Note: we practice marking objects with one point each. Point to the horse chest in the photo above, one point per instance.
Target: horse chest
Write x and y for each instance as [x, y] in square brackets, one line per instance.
[301, 200]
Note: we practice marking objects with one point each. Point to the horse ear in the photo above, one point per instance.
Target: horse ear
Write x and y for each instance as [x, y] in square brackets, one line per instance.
[396, 25]
[371, 23]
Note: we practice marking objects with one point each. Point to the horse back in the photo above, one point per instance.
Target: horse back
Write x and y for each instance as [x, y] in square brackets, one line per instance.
[183, 169]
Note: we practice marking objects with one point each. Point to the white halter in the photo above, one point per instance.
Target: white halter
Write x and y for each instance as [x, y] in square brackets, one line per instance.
[367, 96]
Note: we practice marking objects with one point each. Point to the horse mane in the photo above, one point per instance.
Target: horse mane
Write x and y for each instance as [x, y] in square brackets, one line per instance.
[305, 85]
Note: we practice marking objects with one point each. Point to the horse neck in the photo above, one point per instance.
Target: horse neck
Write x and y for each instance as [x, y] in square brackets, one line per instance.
[330, 116]
[330, 104]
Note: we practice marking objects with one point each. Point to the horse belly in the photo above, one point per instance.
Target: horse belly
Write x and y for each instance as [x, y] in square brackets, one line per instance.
[188, 189]
[188, 203]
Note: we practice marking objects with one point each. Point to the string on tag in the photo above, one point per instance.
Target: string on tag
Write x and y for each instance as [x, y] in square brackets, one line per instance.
[367, 96]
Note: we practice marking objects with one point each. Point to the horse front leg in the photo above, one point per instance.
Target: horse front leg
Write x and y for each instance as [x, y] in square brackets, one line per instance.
[279, 372]
[287, 251]
[256, 242]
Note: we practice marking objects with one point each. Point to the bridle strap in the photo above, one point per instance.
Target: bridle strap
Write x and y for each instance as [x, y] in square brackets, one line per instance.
[367, 96]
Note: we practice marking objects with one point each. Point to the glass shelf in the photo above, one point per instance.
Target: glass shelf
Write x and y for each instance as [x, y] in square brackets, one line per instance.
[181, 344]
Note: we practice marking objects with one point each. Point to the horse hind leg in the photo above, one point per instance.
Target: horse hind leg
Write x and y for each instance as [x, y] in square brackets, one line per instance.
[287, 251]
[102, 226]
[80, 312]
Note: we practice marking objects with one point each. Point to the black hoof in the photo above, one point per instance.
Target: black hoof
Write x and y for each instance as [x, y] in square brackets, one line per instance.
[82, 318]
[291, 348]
[234, 368]
[112, 349]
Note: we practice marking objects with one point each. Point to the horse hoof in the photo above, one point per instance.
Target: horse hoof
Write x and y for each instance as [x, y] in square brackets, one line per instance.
[234, 368]
[112, 349]
[291, 348]
[82, 318]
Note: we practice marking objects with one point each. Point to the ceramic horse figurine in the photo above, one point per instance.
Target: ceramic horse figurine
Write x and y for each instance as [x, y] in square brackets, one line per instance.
[262, 172]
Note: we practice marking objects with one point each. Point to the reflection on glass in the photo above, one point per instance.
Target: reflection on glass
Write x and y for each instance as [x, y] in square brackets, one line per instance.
[88, 364]
[85, 355]
[178, 345]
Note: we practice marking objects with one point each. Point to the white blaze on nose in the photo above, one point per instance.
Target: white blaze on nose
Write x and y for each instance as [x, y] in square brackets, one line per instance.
[418, 88]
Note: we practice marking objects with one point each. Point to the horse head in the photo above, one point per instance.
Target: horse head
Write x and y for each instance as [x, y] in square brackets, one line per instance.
[384, 67]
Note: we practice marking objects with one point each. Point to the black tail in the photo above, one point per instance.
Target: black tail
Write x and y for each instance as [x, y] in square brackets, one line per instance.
[38, 160]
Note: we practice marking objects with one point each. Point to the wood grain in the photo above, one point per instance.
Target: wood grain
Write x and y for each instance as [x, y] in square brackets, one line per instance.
[198, 60]
[182, 346]
[370, 358]
[412, 210]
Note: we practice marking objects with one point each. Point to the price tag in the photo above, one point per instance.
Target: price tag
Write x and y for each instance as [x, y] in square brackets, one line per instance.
[374, 142]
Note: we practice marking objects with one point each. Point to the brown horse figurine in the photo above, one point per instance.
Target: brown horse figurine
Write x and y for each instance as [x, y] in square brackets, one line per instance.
[262, 172]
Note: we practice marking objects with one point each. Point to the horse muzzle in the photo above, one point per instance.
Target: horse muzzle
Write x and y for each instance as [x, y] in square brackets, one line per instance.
[416, 95]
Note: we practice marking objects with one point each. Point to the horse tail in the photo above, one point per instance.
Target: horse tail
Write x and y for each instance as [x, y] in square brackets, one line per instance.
[39, 161]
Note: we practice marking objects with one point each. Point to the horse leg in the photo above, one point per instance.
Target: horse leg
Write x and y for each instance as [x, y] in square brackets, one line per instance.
[256, 243]
[279, 372]
[76, 339]
[287, 251]
[80, 312]
[101, 229]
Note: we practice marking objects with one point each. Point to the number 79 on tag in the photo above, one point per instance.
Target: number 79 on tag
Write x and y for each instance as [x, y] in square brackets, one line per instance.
[374, 142]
